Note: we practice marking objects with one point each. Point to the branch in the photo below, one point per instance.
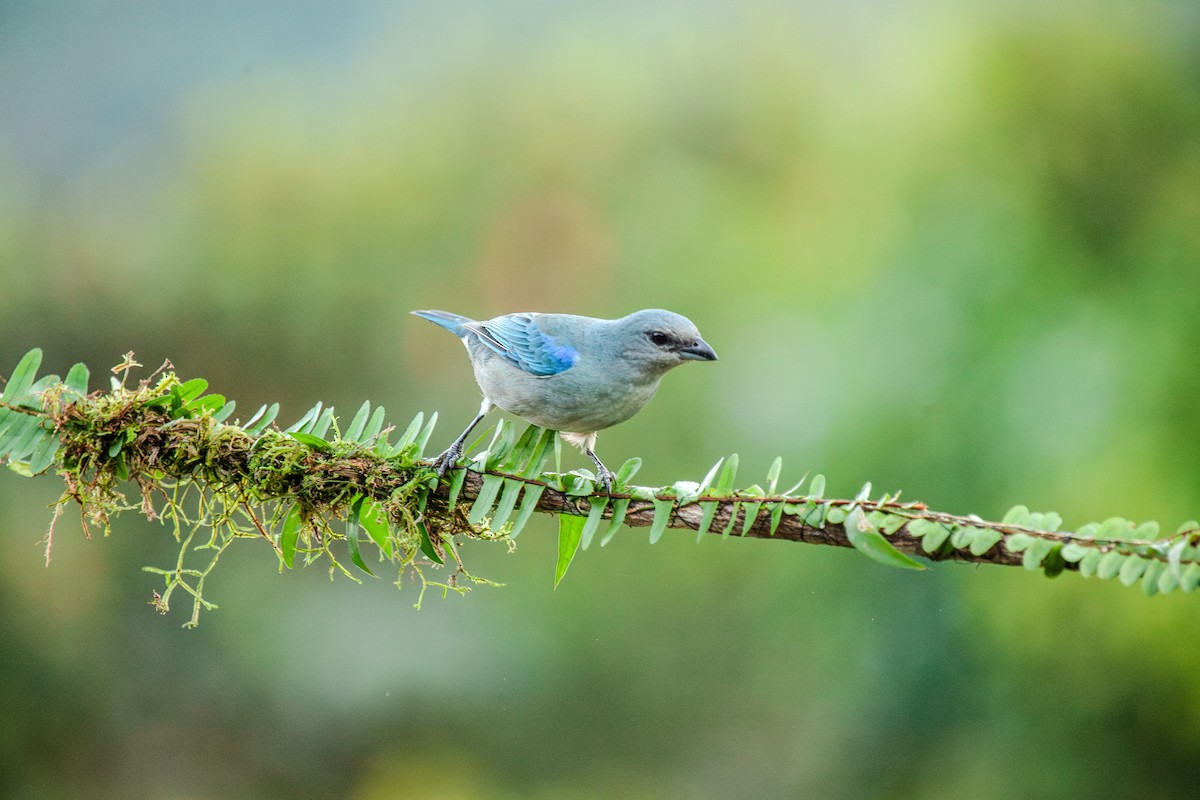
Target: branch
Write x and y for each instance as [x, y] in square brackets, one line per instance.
[642, 514]
[312, 485]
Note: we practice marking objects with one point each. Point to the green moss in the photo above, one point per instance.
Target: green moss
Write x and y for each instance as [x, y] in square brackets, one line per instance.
[214, 483]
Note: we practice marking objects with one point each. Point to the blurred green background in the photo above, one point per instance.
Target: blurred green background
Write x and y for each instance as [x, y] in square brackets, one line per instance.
[951, 248]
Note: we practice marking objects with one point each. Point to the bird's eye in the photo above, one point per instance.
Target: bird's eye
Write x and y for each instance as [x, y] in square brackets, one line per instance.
[658, 338]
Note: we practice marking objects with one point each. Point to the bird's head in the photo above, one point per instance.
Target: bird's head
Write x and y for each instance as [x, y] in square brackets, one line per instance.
[661, 339]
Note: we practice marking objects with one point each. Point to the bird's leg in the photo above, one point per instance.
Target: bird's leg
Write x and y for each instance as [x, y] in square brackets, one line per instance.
[449, 458]
[602, 473]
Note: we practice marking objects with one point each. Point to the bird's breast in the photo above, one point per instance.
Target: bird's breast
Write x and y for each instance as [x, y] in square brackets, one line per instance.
[582, 399]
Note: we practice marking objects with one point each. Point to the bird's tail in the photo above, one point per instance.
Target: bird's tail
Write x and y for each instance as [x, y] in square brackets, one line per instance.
[451, 322]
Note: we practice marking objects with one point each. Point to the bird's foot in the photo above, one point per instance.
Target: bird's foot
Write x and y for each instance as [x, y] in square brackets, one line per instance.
[448, 460]
[606, 478]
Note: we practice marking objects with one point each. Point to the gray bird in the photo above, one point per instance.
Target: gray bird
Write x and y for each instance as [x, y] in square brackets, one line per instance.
[575, 375]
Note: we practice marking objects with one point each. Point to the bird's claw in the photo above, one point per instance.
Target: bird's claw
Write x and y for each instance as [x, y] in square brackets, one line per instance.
[606, 480]
[447, 460]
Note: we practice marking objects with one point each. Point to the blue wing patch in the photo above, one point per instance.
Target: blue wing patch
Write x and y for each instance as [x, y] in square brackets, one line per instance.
[517, 339]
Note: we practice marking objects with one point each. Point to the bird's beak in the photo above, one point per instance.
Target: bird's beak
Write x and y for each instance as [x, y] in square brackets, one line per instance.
[697, 350]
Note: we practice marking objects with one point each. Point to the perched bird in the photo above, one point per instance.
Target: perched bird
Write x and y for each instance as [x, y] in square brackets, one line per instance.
[575, 375]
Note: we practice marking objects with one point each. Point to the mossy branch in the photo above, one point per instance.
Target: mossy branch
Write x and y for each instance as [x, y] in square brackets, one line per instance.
[312, 485]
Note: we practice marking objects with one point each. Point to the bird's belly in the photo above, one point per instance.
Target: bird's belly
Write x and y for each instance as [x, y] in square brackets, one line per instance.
[563, 402]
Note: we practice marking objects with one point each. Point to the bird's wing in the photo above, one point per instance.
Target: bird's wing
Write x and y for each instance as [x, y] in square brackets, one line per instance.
[517, 339]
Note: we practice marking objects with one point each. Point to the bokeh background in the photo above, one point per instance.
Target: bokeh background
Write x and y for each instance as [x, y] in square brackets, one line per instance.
[948, 247]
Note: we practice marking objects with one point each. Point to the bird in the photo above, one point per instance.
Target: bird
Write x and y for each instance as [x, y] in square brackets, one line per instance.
[572, 374]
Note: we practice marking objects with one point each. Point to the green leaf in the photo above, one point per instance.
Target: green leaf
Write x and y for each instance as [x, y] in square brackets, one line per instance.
[984, 540]
[935, 538]
[7, 420]
[815, 516]
[1168, 581]
[1036, 553]
[685, 492]
[662, 515]
[304, 421]
[749, 515]
[120, 469]
[963, 536]
[792, 491]
[776, 516]
[733, 515]
[1053, 564]
[352, 528]
[873, 544]
[321, 426]
[22, 377]
[708, 479]
[626, 471]
[374, 522]
[520, 452]
[410, 433]
[1110, 565]
[540, 453]
[920, 527]
[190, 390]
[773, 474]
[77, 379]
[1017, 515]
[620, 506]
[595, 515]
[209, 402]
[1075, 552]
[1090, 562]
[43, 455]
[358, 424]
[508, 500]
[529, 501]
[570, 532]
[578, 482]
[1050, 521]
[22, 436]
[1154, 570]
[502, 443]
[289, 535]
[1188, 527]
[706, 518]
[426, 544]
[259, 423]
[1020, 542]
[1114, 528]
[225, 412]
[1147, 530]
[170, 398]
[458, 476]
[1175, 557]
[34, 435]
[1191, 578]
[816, 488]
[728, 474]
[374, 426]
[311, 440]
[1131, 571]
[486, 499]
